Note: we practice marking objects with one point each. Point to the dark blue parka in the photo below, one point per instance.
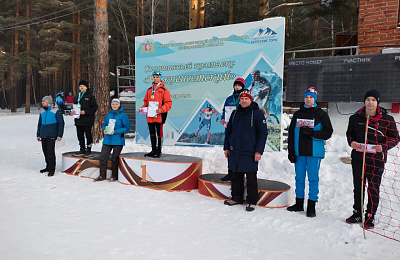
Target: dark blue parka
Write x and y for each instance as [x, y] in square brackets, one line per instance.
[122, 126]
[245, 135]
[50, 124]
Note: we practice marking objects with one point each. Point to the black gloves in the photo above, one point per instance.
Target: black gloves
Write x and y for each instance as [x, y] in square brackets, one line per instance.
[306, 130]
[292, 157]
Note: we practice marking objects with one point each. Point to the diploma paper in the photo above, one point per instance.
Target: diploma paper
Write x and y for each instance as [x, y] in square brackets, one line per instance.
[368, 149]
[228, 113]
[305, 122]
[76, 111]
[151, 111]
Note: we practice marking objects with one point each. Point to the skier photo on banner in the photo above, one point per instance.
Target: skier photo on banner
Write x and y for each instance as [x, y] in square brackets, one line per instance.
[208, 112]
[262, 92]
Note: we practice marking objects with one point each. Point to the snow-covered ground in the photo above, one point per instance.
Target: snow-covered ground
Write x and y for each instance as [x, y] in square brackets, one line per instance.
[66, 217]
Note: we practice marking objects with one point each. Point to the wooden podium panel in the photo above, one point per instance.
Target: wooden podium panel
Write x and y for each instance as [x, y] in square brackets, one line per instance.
[271, 194]
[169, 172]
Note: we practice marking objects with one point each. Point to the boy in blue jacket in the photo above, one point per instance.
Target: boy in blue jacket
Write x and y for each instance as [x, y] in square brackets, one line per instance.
[308, 130]
[50, 127]
[231, 104]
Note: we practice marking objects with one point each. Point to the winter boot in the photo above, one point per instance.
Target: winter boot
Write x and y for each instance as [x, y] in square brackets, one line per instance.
[114, 175]
[158, 150]
[369, 221]
[103, 172]
[355, 218]
[250, 207]
[311, 209]
[51, 174]
[44, 170]
[88, 151]
[81, 152]
[299, 206]
[231, 202]
[227, 177]
[153, 147]
[157, 154]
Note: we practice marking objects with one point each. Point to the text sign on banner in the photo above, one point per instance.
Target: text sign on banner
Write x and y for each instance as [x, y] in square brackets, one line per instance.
[199, 67]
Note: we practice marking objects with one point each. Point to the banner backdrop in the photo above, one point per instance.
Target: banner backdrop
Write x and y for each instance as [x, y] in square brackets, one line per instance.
[199, 68]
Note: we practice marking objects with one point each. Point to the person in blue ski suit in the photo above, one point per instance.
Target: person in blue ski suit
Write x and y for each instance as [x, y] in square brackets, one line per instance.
[309, 128]
[114, 140]
[245, 139]
[60, 101]
[232, 101]
[50, 127]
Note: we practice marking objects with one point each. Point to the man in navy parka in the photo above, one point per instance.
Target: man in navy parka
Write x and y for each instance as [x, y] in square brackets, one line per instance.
[245, 138]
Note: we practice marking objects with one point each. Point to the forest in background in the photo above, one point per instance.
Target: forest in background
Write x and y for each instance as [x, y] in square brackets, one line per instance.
[48, 45]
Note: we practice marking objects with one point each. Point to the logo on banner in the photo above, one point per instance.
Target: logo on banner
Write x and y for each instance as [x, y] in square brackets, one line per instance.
[264, 32]
[264, 35]
[147, 47]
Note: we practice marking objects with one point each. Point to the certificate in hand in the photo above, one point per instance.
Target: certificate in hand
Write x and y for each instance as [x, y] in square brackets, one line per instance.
[152, 109]
[368, 149]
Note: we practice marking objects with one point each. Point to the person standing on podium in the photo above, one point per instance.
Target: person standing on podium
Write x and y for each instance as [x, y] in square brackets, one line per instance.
[245, 138]
[158, 102]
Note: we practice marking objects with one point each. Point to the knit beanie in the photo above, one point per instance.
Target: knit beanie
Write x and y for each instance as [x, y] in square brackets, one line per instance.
[83, 82]
[246, 93]
[373, 93]
[116, 100]
[48, 99]
[239, 81]
[312, 92]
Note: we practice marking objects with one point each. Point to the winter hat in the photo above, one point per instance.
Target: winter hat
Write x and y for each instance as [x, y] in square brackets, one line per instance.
[246, 93]
[116, 100]
[83, 82]
[373, 93]
[112, 92]
[158, 73]
[70, 93]
[312, 92]
[239, 81]
[48, 99]
[60, 93]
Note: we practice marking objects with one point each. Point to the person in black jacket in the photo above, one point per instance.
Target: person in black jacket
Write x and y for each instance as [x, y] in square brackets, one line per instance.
[85, 122]
[308, 130]
[382, 135]
[245, 138]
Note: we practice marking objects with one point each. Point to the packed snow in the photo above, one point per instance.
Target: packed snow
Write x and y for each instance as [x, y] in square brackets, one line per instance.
[67, 217]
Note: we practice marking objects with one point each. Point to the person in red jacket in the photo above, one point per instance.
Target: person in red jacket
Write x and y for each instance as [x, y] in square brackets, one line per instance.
[158, 102]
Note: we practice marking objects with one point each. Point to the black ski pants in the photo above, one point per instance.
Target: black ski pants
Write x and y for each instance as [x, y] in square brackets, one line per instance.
[106, 150]
[81, 131]
[237, 183]
[372, 176]
[48, 145]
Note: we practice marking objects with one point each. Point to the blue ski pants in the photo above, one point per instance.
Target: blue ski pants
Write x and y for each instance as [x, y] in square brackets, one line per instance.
[309, 165]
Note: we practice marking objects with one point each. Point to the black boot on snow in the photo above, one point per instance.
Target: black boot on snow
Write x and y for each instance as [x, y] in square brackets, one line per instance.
[369, 221]
[157, 154]
[44, 170]
[299, 206]
[355, 218]
[311, 209]
[150, 154]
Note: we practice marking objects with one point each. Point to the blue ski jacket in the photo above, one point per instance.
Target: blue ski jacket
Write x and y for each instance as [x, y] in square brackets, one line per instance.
[50, 124]
[232, 100]
[304, 145]
[122, 126]
[245, 135]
